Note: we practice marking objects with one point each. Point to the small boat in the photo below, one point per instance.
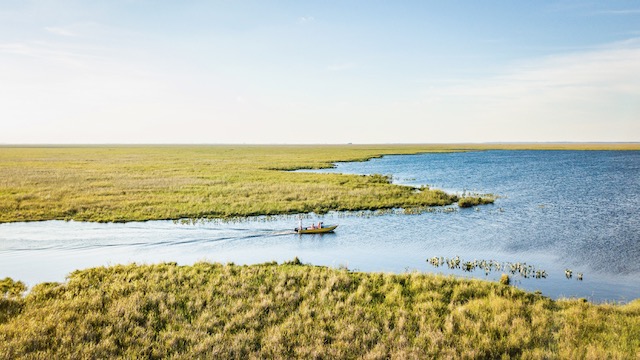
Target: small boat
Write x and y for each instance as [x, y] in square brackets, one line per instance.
[316, 230]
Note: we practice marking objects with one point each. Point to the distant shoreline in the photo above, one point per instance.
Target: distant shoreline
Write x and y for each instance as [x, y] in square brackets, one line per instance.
[433, 146]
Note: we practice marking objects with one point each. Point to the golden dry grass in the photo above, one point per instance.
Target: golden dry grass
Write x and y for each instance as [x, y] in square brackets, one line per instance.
[299, 311]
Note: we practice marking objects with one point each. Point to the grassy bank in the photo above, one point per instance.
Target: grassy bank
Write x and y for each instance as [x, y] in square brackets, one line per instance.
[104, 183]
[298, 311]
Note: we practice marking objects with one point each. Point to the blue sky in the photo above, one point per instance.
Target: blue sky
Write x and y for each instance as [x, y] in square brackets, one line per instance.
[319, 72]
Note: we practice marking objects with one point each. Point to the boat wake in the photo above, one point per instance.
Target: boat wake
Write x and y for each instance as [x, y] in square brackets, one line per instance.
[203, 237]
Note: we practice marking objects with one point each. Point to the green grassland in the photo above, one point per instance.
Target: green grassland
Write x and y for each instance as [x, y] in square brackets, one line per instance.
[172, 182]
[129, 183]
[301, 311]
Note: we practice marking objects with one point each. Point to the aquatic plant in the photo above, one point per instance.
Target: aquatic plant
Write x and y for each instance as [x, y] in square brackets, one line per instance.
[522, 269]
[469, 201]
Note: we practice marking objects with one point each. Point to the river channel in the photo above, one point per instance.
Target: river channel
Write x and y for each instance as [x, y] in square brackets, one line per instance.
[556, 210]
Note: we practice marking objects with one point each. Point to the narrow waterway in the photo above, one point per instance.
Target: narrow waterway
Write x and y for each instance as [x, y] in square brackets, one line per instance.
[557, 210]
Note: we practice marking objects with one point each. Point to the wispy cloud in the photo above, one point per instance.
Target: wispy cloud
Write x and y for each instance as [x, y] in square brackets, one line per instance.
[306, 19]
[611, 68]
[566, 96]
[619, 12]
[73, 56]
[60, 31]
[15, 48]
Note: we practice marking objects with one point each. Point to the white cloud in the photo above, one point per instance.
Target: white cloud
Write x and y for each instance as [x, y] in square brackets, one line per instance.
[611, 69]
[584, 96]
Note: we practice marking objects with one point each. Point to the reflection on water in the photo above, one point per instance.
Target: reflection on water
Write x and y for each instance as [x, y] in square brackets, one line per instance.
[558, 210]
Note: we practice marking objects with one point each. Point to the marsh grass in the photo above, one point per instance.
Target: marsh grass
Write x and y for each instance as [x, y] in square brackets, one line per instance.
[172, 182]
[130, 183]
[300, 311]
[471, 201]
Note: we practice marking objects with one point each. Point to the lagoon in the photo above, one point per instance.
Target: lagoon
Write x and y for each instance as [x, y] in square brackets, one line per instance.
[556, 210]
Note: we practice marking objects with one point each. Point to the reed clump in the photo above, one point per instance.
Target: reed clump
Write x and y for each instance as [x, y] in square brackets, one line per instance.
[300, 311]
[521, 269]
[470, 201]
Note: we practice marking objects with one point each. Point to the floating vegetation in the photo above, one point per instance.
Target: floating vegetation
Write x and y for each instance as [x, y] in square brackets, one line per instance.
[474, 201]
[236, 219]
[568, 273]
[471, 199]
[522, 269]
[311, 215]
[515, 268]
[423, 210]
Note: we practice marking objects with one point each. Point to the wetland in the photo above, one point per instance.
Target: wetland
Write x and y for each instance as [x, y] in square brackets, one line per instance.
[556, 210]
[392, 281]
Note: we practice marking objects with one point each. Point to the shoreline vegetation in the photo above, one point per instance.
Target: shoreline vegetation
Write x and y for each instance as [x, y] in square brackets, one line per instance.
[293, 310]
[118, 183]
[271, 310]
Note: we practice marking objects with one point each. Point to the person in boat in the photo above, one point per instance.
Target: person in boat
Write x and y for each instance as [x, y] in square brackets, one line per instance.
[319, 224]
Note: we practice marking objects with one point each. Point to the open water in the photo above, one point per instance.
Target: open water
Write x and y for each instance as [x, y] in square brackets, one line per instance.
[556, 210]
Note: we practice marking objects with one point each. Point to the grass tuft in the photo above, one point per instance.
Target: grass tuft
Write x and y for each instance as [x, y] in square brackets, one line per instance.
[504, 279]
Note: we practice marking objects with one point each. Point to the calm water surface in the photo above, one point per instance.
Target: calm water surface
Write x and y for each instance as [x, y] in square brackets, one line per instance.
[557, 210]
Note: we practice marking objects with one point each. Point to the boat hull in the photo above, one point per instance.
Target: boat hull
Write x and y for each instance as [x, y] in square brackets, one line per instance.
[322, 230]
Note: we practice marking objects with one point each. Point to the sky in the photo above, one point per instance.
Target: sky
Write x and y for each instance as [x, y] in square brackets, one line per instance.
[318, 72]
